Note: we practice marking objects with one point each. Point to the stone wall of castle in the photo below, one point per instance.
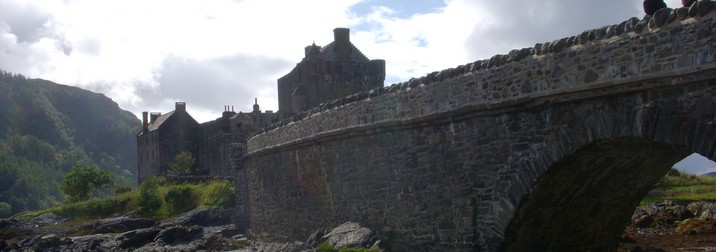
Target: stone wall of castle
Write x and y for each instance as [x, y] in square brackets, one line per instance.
[443, 161]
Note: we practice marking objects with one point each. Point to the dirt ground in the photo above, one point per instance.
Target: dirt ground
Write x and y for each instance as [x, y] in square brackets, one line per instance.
[687, 235]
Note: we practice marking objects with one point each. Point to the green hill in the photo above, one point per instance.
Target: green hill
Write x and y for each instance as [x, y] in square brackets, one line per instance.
[46, 128]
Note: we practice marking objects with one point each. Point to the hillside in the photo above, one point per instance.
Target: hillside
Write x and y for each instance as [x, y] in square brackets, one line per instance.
[47, 128]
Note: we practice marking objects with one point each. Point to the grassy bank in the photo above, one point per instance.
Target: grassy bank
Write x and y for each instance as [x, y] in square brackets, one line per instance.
[677, 186]
[154, 198]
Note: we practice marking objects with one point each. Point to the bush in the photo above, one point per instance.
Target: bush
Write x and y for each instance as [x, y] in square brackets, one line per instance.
[96, 208]
[181, 198]
[220, 194]
[5, 210]
[149, 201]
[326, 247]
[82, 180]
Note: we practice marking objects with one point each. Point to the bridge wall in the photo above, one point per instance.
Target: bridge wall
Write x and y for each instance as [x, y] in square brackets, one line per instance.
[444, 161]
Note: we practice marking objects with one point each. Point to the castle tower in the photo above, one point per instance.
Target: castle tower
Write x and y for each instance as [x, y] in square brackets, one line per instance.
[327, 73]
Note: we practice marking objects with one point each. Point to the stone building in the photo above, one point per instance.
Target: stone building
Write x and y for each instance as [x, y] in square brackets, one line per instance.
[221, 140]
[163, 137]
[327, 73]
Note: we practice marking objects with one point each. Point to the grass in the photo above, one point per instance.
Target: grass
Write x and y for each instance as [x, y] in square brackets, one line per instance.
[214, 193]
[677, 186]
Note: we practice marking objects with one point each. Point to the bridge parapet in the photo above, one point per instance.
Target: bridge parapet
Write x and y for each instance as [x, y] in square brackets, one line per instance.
[631, 52]
[525, 150]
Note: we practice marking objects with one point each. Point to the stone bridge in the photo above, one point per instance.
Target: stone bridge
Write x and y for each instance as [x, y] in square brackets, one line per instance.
[542, 148]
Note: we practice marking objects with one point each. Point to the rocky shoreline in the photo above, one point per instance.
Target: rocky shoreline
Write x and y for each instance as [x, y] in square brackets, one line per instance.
[672, 226]
[667, 226]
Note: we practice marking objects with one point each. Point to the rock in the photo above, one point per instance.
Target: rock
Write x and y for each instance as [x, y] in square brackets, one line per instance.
[121, 224]
[350, 234]
[210, 216]
[136, 238]
[178, 234]
[666, 212]
[703, 210]
[90, 243]
[643, 221]
[49, 241]
[47, 219]
[317, 237]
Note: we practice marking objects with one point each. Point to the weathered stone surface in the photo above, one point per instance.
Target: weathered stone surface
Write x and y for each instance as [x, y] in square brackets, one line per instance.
[121, 224]
[136, 238]
[178, 234]
[448, 166]
[207, 216]
[350, 234]
[703, 210]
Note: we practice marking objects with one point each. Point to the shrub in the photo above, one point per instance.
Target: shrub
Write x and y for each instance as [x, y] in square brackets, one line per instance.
[82, 180]
[183, 163]
[5, 210]
[96, 208]
[326, 247]
[181, 198]
[148, 201]
[220, 194]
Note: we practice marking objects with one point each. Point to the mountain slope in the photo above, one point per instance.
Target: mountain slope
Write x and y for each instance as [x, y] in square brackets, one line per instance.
[46, 128]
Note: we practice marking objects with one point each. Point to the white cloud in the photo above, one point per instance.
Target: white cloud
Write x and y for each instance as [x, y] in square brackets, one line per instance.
[147, 54]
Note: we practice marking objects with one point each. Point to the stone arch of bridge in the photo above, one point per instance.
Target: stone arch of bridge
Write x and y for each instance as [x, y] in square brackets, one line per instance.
[585, 200]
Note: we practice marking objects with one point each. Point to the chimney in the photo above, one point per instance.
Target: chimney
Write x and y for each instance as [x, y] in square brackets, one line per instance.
[145, 123]
[342, 43]
[341, 35]
[180, 106]
[153, 116]
[256, 105]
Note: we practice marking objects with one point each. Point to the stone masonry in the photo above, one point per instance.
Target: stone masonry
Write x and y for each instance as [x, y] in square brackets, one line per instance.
[543, 147]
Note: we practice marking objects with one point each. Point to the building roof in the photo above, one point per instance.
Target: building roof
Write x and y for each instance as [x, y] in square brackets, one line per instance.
[158, 122]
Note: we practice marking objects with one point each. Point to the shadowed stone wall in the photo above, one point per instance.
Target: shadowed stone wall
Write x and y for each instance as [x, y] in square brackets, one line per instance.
[454, 160]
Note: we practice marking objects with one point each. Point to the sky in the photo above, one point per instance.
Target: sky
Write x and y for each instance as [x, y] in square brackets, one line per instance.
[148, 54]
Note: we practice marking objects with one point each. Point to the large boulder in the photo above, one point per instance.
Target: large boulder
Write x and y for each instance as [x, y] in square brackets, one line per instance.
[136, 238]
[205, 217]
[703, 210]
[178, 234]
[350, 234]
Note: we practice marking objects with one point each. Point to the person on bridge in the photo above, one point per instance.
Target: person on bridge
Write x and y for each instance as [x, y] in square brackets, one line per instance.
[651, 6]
[688, 3]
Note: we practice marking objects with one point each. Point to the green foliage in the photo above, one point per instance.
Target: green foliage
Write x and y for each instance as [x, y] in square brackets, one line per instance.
[220, 193]
[96, 208]
[5, 210]
[47, 128]
[326, 247]
[152, 198]
[149, 201]
[183, 163]
[82, 180]
[680, 186]
[181, 198]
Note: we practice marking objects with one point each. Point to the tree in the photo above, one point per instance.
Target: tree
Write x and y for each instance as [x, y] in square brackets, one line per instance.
[183, 163]
[149, 201]
[5, 210]
[82, 180]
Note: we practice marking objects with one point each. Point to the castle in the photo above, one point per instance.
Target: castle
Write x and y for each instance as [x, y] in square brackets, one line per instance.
[324, 74]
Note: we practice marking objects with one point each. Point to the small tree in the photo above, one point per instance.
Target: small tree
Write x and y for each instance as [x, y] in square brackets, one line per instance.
[149, 201]
[82, 180]
[5, 210]
[182, 163]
